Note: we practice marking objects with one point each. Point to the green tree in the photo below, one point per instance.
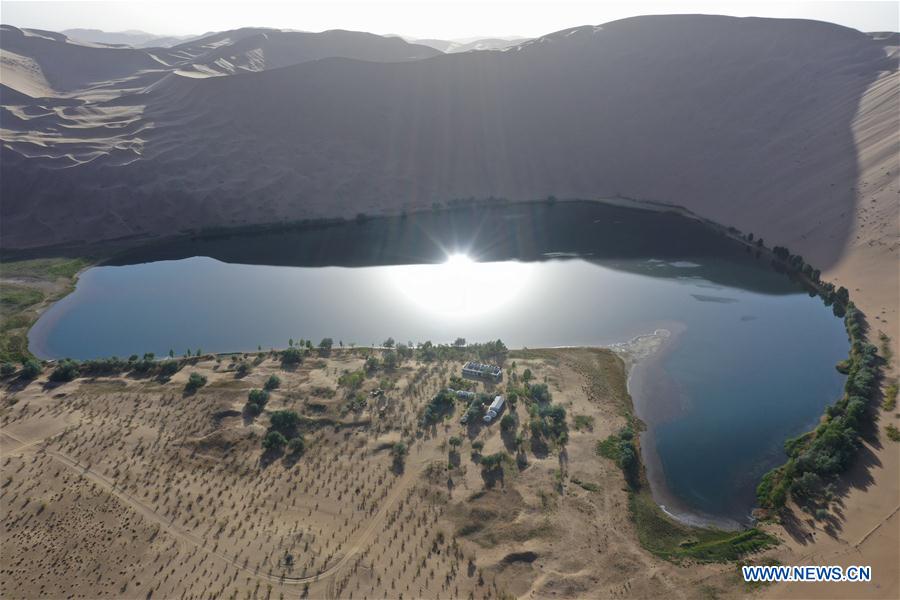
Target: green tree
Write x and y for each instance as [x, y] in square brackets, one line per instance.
[388, 343]
[243, 369]
[284, 421]
[390, 360]
[260, 397]
[31, 368]
[273, 382]
[539, 392]
[168, 368]
[66, 370]
[297, 445]
[399, 452]
[7, 369]
[274, 441]
[404, 352]
[291, 357]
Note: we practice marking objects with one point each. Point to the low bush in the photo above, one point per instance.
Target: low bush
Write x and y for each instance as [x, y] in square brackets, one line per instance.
[195, 382]
[66, 370]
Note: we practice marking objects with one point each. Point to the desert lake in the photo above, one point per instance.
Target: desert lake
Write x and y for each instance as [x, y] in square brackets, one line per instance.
[749, 362]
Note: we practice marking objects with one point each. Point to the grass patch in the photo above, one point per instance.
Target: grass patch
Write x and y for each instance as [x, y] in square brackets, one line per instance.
[889, 401]
[14, 298]
[45, 268]
[587, 485]
[885, 342]
[583, 422]
[609, 448]
[673, 541]
[21, 299]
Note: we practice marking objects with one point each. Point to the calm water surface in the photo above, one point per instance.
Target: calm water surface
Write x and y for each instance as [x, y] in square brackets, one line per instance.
[750, 362]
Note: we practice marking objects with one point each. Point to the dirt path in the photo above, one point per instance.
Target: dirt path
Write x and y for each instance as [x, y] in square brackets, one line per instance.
[179, 532]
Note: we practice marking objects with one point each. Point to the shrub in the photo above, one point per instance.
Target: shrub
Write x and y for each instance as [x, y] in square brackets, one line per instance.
[391, 361]
[284, 421]
[258, 397]
[893, 433]
[292, 356]
[404, 352]
[195, 382]
[7, 369]
[456, 441]
[440, 404]
[274, 440]
[273, 383]
[145, 364]
[168, 368]
[31, 368]
[539, 392]
[66, 370]
[297, 445]
[492, 461]
[399, 452]
[584, 422]
[889, 402]
[352, 379]
[243, 369]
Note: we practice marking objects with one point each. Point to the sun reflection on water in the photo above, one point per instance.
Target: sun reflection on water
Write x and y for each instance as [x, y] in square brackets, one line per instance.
[461, 286]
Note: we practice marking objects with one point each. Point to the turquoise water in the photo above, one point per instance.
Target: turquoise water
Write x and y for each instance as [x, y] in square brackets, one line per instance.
[750, 361]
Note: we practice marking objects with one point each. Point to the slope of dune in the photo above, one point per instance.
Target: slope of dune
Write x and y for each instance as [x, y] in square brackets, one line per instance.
[255, 49]
[737, 119]
[784, 128]
[454, 46]
[133, 38]
[66, 65]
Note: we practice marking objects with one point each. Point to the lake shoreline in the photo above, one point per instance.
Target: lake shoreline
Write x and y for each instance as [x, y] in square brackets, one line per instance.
[642, 355]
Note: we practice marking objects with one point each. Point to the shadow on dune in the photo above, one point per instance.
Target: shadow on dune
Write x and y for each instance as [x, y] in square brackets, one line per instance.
[744, 121]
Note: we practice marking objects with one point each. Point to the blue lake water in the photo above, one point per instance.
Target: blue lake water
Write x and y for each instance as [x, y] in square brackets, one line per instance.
[750, 361]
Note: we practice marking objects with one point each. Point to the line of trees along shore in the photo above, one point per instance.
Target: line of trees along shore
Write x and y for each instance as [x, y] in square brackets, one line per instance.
[817, 457]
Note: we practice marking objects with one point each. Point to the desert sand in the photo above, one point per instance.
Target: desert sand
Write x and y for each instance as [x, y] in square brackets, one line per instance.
[128, 487]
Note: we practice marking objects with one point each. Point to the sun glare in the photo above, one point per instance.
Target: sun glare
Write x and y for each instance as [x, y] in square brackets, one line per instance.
[461, 286]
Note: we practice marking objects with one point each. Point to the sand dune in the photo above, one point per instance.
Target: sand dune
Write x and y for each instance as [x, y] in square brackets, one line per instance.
[784, 128]
[453, 46]
[746, 121]
[68, 66]
[252, 49]
[135, 39]
[39, 63]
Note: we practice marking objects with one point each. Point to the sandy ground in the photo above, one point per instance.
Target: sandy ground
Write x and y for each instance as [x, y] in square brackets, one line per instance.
[127, 488]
